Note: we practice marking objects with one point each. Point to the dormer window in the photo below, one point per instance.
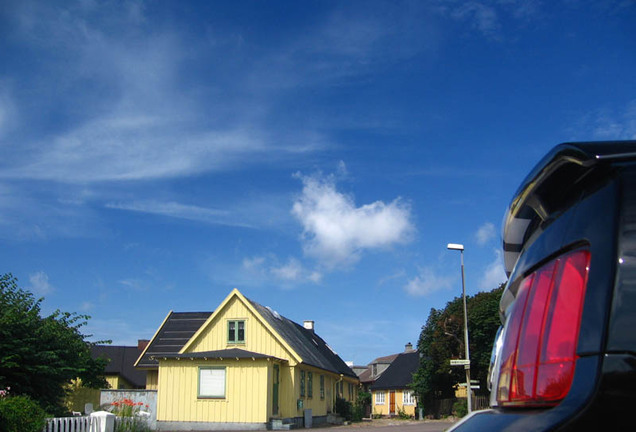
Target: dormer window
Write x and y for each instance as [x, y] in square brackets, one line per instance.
[374, 369]
[236, 332]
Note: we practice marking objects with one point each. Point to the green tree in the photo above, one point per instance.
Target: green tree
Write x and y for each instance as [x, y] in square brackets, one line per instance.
[442, 339]
[40, 355]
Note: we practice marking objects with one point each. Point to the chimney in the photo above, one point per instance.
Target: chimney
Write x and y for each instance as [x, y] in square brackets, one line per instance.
[142, 344]
[408, 347]
[309, 325]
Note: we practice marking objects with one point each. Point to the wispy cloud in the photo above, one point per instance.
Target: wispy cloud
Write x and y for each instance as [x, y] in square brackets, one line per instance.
[428, 282]
[39, 284]
[336, 232]
[607, 123]
[485, 233]
[144, 121]
[271, 269]
[618, 125]
[488, 17]
[481, 16]
[180, 211]
[494, 273]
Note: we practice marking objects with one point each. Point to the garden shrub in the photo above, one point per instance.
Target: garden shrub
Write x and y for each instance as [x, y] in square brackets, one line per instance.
[402, 415]
[460, 409]
[21, 414]
[344, 408]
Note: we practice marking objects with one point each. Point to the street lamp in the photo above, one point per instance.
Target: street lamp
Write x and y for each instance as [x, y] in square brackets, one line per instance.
[460, 248]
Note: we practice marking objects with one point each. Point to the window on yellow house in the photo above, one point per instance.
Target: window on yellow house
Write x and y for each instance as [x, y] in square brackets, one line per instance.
[236, 331]
[310, 384]
[211, 382]
[302, 383]
[408, 398]
[379, 398]
[350, 391]
[322, 386]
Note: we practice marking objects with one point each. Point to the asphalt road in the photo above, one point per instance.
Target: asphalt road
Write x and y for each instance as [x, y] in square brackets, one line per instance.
[392, 426]
[386, 425]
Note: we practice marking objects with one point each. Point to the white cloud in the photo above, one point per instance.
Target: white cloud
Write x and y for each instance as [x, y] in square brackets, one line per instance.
[485, 233]
[39, 283]
[427, 282]
[494, 273]
[335, 231]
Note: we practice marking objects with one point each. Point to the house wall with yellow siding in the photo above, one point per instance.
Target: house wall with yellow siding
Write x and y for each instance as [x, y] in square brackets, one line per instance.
[152, 379]
[384, 408]
[118, 382]
[247, 393]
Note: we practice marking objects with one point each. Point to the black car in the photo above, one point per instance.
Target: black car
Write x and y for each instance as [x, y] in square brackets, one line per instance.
[565, 357]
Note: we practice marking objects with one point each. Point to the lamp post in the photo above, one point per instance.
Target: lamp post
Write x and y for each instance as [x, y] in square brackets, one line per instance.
[460, 248]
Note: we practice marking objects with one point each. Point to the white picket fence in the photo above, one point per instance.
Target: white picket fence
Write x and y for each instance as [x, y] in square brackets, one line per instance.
[70, 424]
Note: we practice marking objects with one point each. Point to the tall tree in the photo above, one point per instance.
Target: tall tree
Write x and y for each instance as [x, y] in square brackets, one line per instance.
[39, 355]
[442, 339]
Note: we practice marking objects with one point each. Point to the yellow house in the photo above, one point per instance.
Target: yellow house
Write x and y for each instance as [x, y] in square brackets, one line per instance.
[390, 393]
[243, 366]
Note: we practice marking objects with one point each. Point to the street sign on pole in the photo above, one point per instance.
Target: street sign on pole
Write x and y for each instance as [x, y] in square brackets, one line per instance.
[460, 362]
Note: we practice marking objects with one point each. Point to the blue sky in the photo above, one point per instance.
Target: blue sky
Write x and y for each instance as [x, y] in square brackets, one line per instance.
[316, 155]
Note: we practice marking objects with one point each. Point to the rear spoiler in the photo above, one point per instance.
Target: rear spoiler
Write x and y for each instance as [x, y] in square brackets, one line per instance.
[534, 202]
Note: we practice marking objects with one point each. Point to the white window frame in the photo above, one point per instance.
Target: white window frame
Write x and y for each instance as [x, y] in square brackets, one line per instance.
[408, 397]
[380, 398]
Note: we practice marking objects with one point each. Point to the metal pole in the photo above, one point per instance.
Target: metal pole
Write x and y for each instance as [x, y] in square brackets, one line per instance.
[467, 367]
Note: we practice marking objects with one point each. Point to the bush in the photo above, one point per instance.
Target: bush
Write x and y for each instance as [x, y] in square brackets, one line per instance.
[21, 414]
[358, 413]
[359, 409]
[460, 409]
[402, 415]
[344, 408]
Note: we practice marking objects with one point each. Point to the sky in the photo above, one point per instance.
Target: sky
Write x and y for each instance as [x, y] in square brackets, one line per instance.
[317, 155]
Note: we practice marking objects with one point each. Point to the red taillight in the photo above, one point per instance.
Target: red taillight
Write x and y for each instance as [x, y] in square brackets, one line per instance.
[539, 350]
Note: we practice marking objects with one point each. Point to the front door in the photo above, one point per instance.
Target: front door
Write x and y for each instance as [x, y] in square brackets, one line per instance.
[392, 403]
[276, 381]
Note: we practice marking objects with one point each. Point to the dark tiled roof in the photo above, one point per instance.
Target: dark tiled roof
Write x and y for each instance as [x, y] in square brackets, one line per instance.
[177, 329]
[311, 348]
[122, 360]
[233, 353]
[386, 359]
[400, 373]
[366, 377]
